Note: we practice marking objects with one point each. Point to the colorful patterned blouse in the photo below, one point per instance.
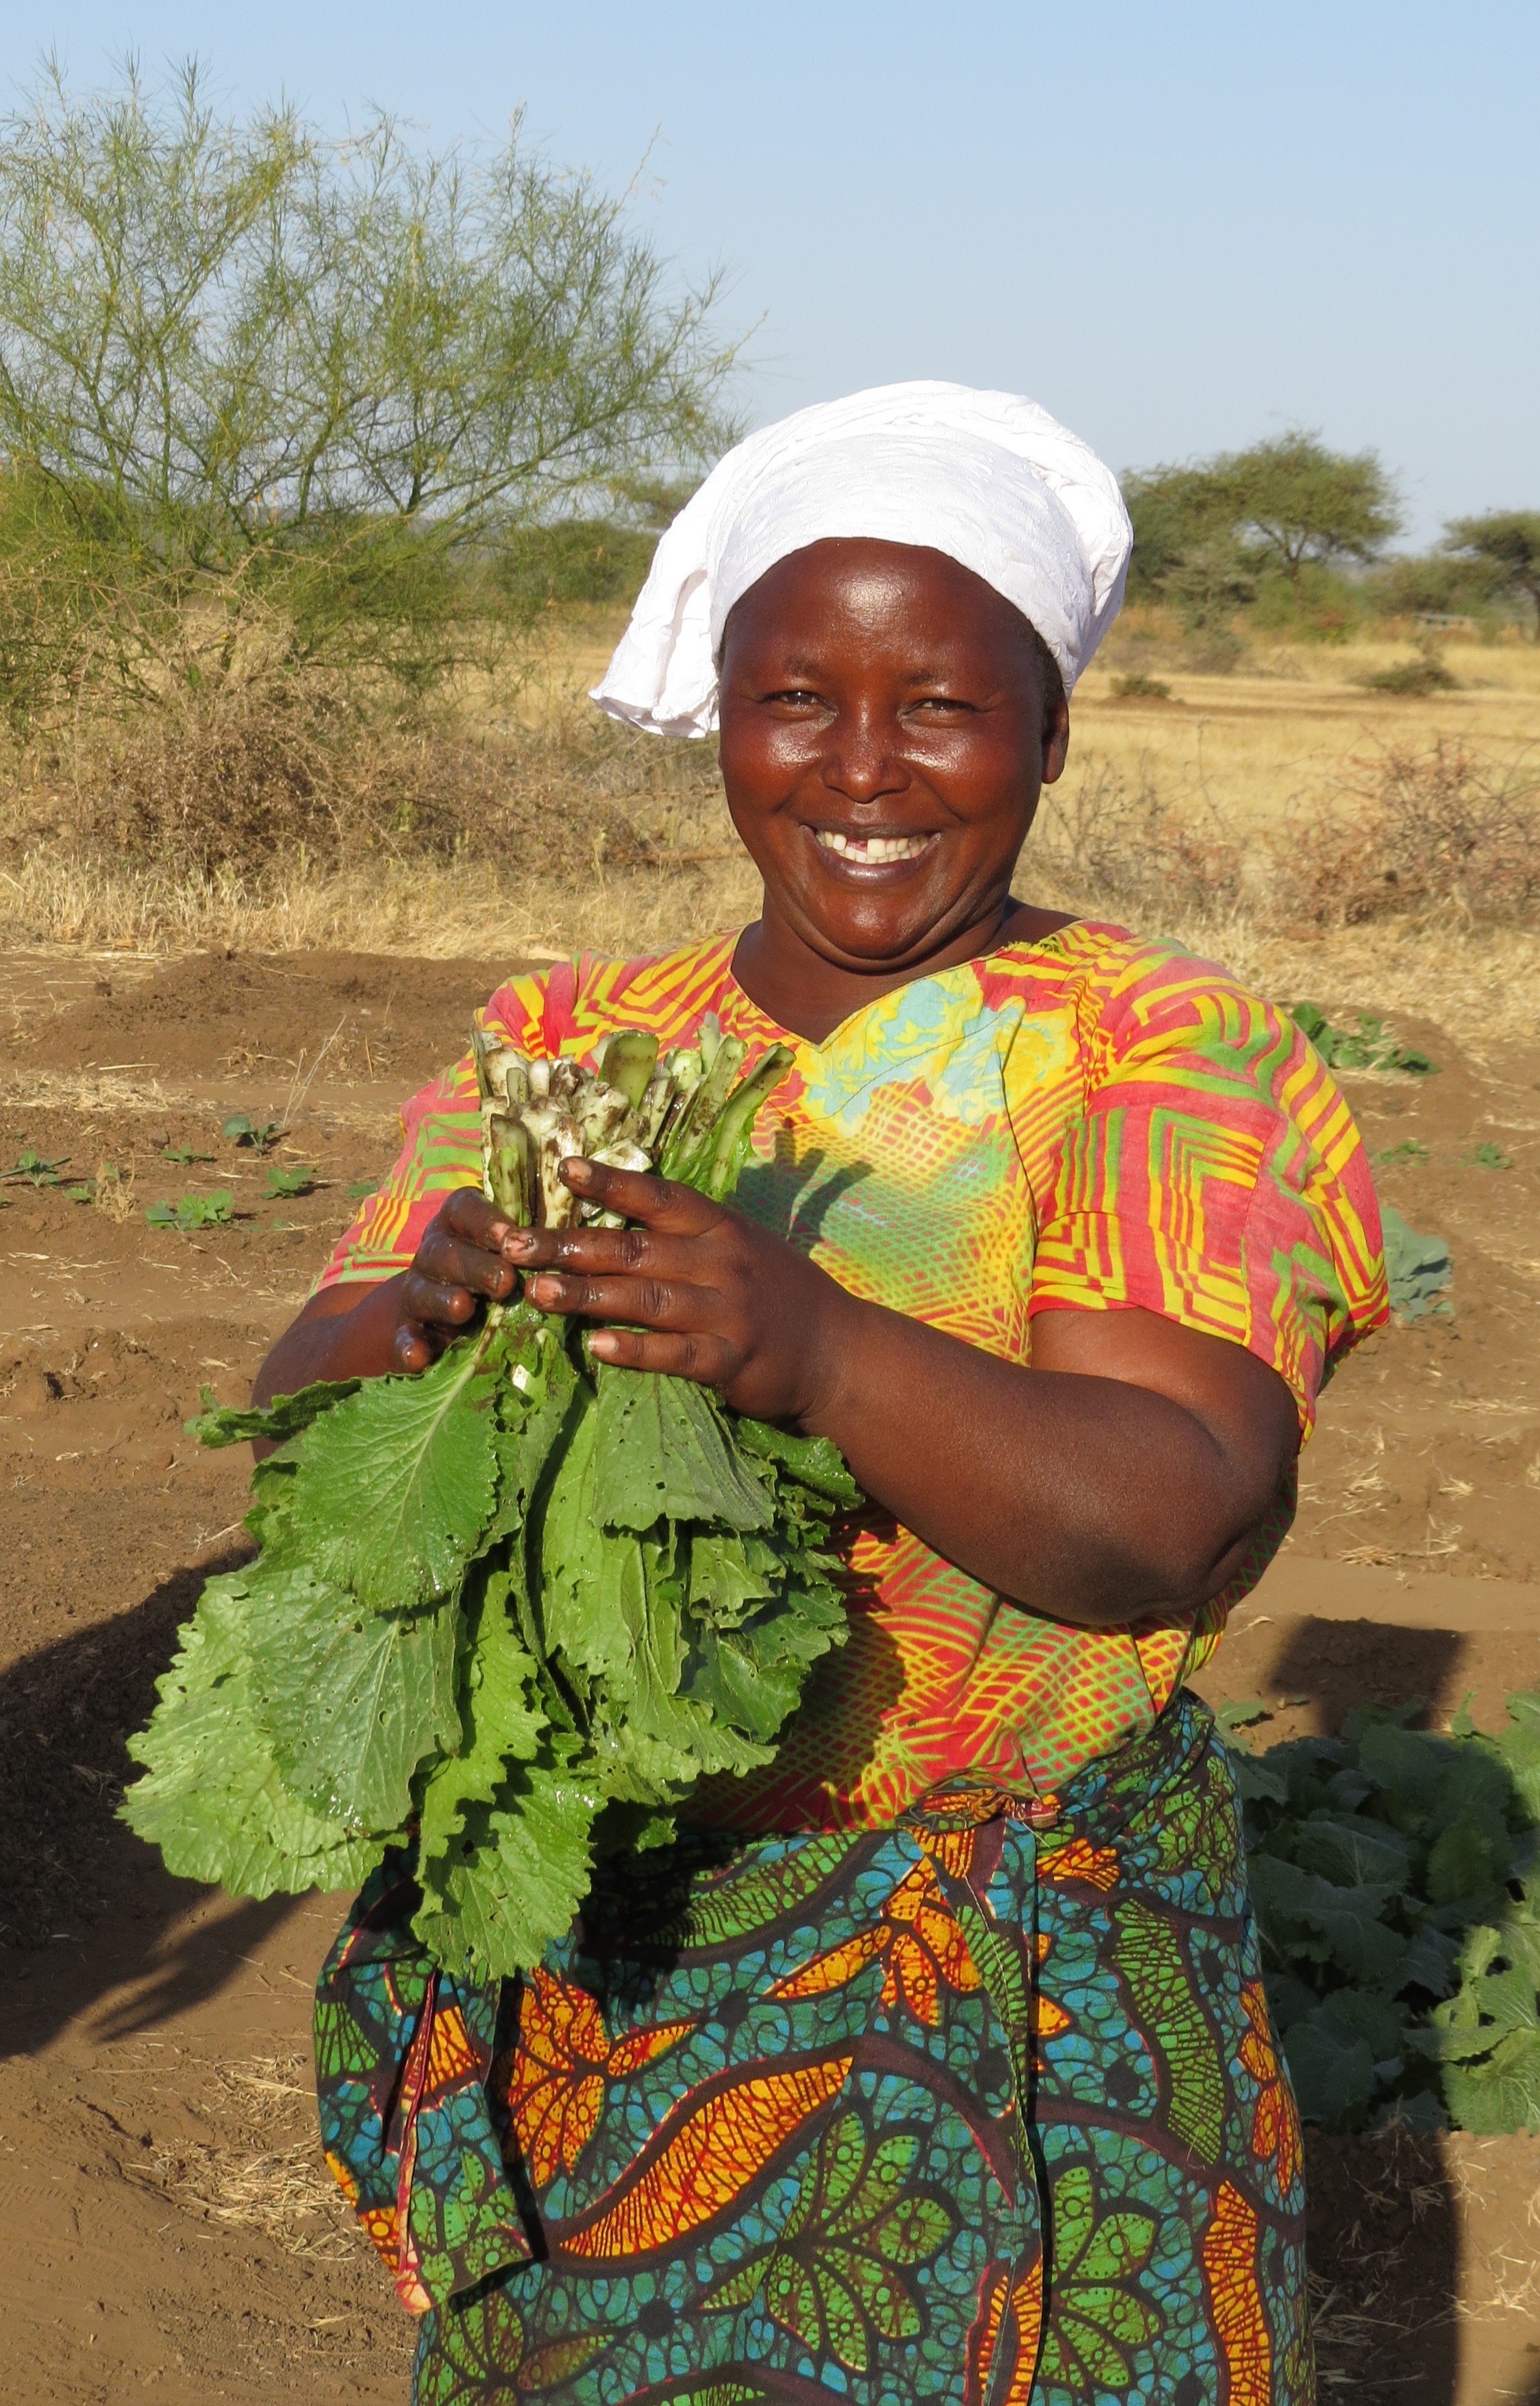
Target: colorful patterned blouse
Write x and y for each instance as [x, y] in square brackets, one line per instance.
[1085, 1123]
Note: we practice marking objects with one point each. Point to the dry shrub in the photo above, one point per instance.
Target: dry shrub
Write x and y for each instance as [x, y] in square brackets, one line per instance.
[1128, 852]
[1425, 832]
[252, 778]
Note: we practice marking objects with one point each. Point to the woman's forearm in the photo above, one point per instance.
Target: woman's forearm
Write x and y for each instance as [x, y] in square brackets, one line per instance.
[345, 1332]
[1087, 1497]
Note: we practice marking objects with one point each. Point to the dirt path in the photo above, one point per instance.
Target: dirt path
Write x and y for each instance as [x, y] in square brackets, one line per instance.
[163, 2222]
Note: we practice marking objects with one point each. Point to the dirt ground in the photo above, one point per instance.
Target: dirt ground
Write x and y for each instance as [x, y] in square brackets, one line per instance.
[164, 2223]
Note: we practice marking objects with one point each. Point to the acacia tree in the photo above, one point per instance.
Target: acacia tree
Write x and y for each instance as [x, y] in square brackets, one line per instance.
[1203, 532]
[265, 392]
[1507, 544]
[1292, 501]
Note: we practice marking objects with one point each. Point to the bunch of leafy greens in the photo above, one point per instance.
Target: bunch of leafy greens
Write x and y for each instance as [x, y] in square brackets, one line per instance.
[504, 1614]
[1397, 1877]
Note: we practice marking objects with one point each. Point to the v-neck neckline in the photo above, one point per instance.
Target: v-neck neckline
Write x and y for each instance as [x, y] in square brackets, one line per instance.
[746, 1005]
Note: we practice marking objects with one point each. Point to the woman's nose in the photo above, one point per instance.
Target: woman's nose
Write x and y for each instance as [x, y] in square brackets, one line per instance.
[863, 760]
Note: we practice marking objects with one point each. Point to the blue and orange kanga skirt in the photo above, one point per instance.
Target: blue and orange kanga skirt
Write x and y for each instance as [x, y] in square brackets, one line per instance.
[981, 2108]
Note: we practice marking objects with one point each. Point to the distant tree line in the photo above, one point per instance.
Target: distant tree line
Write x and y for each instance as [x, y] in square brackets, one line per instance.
[1279, 529]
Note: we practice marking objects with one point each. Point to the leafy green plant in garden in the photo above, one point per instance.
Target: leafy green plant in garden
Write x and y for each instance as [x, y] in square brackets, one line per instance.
[261, 1135]
[193, 1212]
[1419, 1269]
[1367, 1046]
[31, 1167]
[183, 1155]
[1411, 1149]
[284, 1184]
[1396, 1878]
[1489, 1156]
[506, 1613]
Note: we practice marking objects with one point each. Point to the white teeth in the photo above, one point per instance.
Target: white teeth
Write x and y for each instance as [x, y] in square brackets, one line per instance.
[871, 849]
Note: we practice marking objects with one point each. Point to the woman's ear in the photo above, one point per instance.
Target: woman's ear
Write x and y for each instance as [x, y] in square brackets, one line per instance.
[1055, 736]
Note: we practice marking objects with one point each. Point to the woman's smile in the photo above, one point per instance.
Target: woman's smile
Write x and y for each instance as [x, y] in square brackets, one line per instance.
[863, 853]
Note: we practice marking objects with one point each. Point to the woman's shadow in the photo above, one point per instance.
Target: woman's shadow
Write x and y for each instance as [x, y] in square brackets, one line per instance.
[85, 1908]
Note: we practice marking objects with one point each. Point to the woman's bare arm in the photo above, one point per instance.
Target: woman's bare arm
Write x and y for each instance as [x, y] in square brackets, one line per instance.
[1126, 1468]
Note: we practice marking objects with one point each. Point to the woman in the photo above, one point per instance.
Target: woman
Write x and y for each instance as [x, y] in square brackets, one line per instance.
[933, 2063]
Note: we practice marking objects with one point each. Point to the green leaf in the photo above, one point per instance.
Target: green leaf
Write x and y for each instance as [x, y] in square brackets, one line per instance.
[1353, 1851]
[396, 1484]
[727, 1577]
[353, 1701]
[662, 1451]
[499, 1723]
[213, 1798]
[515, 1875]
[1428, 1962]
[1462, 1863]
[1359, 2013]
[1259, 1782]
[221, 1424]
[813, 1460]
[1500, 2095]
[1348, 1920]
[1332, 2073]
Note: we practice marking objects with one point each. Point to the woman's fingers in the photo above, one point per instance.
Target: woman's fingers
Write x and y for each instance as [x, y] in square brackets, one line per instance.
[711, 1361]
[656, 1302]
[659, 1203]
[445, 1263]
[467, 1214]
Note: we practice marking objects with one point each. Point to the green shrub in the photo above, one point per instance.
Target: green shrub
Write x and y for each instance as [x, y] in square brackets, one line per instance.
[1396, 1878]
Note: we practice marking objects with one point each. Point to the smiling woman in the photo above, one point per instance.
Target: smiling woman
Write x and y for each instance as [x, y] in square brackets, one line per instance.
[932, 2063]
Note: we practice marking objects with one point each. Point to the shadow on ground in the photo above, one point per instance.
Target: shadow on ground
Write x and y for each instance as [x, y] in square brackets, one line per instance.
[85, 1907]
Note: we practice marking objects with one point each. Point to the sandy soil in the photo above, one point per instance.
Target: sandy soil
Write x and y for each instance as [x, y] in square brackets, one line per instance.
[164, 2223]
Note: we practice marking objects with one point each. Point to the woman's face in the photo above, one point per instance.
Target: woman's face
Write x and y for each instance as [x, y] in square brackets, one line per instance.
[883, 746]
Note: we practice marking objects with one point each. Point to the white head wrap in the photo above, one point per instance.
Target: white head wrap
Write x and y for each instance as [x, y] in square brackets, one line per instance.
[987, 477]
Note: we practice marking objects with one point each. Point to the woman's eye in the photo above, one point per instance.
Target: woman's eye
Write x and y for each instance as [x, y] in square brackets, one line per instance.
[797, 695]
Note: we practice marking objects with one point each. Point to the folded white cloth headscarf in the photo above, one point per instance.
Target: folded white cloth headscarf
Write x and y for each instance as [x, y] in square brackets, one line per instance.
[987, 477]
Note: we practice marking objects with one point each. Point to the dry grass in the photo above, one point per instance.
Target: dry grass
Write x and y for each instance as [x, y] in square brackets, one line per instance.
[531, 826]
[1295, 721]
[265, 2172]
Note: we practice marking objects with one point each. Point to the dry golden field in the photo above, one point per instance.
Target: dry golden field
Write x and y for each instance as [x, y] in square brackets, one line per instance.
[632, 849]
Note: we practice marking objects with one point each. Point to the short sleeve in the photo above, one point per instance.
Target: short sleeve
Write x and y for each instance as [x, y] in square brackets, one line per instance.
[1212, 1172]
[441, 1136]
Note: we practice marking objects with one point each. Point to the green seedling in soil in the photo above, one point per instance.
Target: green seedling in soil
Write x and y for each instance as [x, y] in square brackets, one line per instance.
[31, 1167]
[359, 1189]
[284, 1184]
[1411, 1149]
[1489, 1156]
[183, 1155]
[193, 1212]
[1365, 1047]
[261, 1135]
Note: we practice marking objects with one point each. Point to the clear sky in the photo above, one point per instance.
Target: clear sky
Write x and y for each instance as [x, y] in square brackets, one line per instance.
[1180, 227]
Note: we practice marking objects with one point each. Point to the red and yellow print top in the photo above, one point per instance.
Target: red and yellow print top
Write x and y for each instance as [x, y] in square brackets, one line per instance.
[1082, 1123]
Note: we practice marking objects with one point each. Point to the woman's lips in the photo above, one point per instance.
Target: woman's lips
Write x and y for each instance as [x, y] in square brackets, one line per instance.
[870, 851]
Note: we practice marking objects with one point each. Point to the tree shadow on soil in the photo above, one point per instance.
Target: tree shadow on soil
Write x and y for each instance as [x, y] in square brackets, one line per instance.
[85, 1907]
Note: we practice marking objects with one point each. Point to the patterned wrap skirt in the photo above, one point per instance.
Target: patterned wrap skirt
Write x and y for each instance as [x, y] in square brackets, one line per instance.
[984, 2107]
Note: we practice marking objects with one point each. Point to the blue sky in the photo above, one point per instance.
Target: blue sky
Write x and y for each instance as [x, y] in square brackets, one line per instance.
[1180, 227]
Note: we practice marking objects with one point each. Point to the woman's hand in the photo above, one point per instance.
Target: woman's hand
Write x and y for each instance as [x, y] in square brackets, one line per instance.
[464, 1260]
[403, 1322]
[695, 1290]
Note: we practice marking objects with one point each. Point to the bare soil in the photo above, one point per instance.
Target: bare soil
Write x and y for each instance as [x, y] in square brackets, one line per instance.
[164, 2224]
